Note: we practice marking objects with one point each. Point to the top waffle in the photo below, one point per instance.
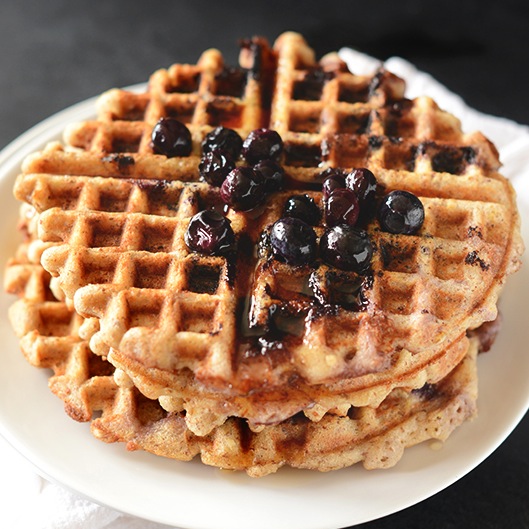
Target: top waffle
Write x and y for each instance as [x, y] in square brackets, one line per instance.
[116, 214]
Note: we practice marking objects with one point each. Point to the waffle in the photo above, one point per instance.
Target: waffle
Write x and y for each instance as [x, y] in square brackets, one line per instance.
[376, 437]
[204, 408]
[48, 330]
[180, 324]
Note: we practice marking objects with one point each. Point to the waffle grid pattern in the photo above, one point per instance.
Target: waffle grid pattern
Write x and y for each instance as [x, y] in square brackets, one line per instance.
[121, 212]
[202, 96]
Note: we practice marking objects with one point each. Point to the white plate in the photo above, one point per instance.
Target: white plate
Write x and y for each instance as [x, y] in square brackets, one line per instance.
[191, 495]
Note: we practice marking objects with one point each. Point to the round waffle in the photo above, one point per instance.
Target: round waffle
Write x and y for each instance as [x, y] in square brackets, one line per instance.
[257, 336]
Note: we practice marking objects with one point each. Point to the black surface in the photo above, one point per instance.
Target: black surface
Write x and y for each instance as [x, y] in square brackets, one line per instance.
[55, 53]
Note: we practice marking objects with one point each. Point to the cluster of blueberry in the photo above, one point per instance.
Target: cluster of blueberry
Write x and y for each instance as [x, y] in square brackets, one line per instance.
[349, 200]
[244, 187]
[241, 187]
[343, 244]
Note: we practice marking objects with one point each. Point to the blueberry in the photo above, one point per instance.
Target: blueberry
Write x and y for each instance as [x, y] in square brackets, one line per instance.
[401, 212]
[243, 189]
[262, 144]
[215, 166]
[224, 139]
[171, 138]
[341, 207]
[272, 173]
[294, 241]
[210, 233]
[302, 207]
[346, 248]
[364, 184]
[333, 179]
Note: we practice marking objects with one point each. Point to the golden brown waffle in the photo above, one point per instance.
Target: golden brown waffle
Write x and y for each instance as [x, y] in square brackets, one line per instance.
[204, 408]
[48, 332]
[375, 436]
[116, 214]
[156, 273]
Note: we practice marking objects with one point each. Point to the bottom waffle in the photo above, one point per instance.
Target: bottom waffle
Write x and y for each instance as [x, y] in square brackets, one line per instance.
[375, 436]
[48, 332]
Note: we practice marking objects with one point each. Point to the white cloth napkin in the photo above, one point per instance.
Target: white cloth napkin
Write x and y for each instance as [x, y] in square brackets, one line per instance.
[31, 502]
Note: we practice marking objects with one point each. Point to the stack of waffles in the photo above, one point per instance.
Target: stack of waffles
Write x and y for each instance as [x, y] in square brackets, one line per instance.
[246, 360]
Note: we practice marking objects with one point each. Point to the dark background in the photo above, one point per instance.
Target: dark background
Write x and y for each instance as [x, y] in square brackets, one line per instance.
[57, 52]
